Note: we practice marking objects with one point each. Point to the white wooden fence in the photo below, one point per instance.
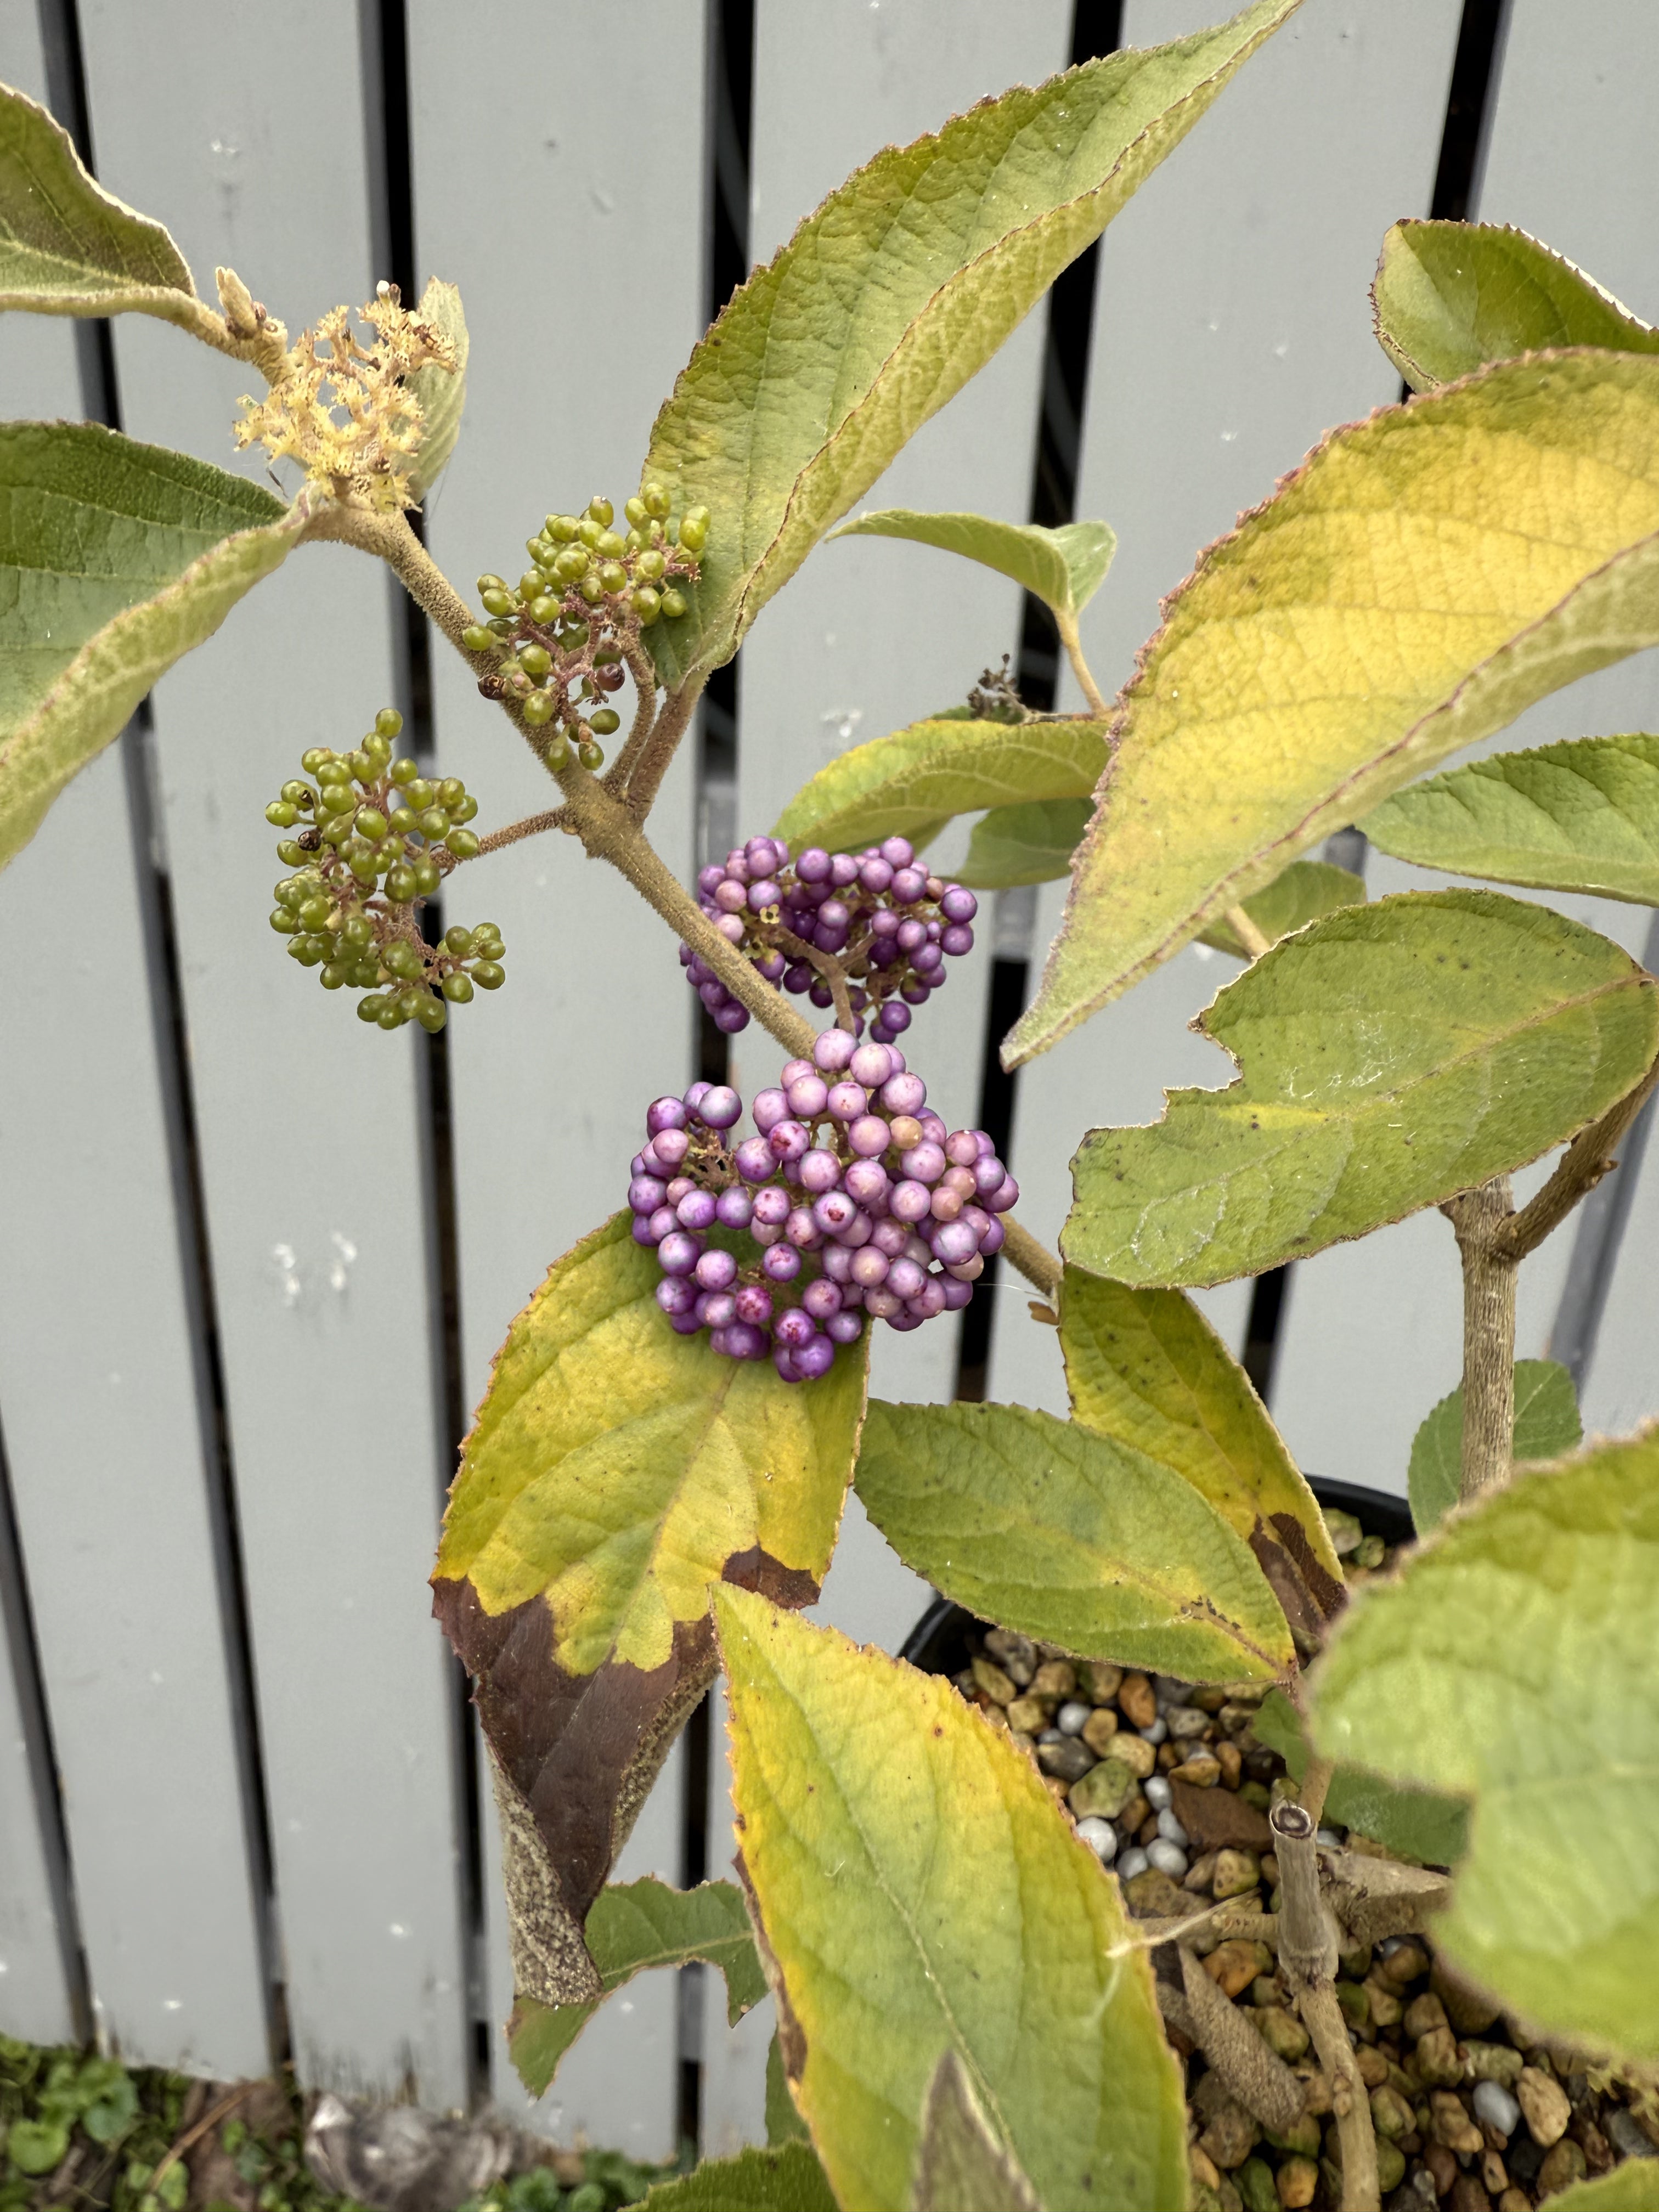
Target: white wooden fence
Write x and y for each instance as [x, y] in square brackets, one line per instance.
[240, 1316]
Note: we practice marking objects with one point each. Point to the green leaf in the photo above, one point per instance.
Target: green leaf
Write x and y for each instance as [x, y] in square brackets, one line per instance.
[789, 2180]
[1547, 1423]
[1030, 844]
[920, 1893]
[964, 2165]
[67, 246]
[1307, 890]
[912, 782]
[1392, 1055]
[115, 560]
[1042, 1526]
[1579, 816]
[633, 1927]
[441, 391]
[1632, 2186]
[615, 1472]
[1510, 1661]
[1063, 567]
[783, 2123]
[889, 297]
[37, 2146]
[1145, 1368]
[1422, 578]
[1417, 1823]
[1449, 297]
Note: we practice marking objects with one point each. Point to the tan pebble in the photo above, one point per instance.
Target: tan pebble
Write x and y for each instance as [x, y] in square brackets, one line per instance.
[1137, 1754]
[1544, 2105]
[1452, 2124]
[1135, 1812]
[1386, 2007]
[995, 1683]
[1514, 2200]
[1281, 2030]
[1437, 2061]
[1030, 1714]
[1442, 2165]
[1019, 1736]
[1562, 2167]
[1297, 2181]
[1468, 2008]
[1099, 1679]
[997, 1716]
[1373, 2064]
[1199, 1877]
[1136, 1701]
[1154, 1896]
[1235, 1871]
[1099, 1729]
[1169, 1755]
[1185, 1723]
[1468, 2195]
[1493, 2062]
[1316, 2089]
[1015, 1654]
[1231, 1764]
[1494, 2173]
[1204, 2172]
[1055, 1678]
[1236, 1964]
[1230, 2137]
[1203, 1770]
[1391, 2115]
[1056, 1787]
[1408, 1962]
[1423, 2014]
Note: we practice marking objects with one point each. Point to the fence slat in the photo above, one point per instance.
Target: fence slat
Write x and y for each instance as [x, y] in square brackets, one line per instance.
[37, 370]
[1569, 161]
[1374, 1330]
[105, 1436]
[579, 242]
[309, 1123]
[1232, 329]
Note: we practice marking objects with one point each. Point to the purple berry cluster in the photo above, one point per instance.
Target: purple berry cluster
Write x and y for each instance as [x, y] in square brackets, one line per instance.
[889, 924]
[853, 1199]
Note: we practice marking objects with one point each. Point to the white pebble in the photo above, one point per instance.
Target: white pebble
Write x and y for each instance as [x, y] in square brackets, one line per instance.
[1169, 1858]
[1156, 1790]
[1158, 1730]
[1100, 1836]
[1132, 1862]
[1327, 1840]
[1171, 1829]
[1493, 2104]
[1072, 1719]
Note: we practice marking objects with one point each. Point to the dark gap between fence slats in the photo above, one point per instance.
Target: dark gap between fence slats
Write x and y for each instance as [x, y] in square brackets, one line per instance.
[40, 1758]
[1096, 29]
[66, 81]
[383, 29]
[728, 111]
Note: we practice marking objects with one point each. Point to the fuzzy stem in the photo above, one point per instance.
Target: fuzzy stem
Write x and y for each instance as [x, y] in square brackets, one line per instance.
[1308, 1954]
[645, 719]
[671, 726]
[1587, 1159]
[1478, 1217]
[531, 826]
[827, 965]
[1066, 623]
[1034, 1260]
[1246, 933]
[1312, 1788]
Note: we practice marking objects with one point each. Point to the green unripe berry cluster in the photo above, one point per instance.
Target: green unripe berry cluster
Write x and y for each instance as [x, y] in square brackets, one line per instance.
[374, 840]
[560, 640]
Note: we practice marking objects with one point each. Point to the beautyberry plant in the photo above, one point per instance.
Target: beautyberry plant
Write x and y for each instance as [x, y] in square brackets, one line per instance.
[1206, 1745]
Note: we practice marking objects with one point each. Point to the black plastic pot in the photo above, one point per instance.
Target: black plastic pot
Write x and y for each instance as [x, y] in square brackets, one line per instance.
[938, 1642]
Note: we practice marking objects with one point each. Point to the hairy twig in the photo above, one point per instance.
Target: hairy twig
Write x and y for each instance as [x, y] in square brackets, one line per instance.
[1308, 1954]
[1254, 943]
[1034, 1260]
[671, 726]
[558, 818]
[644, 674]
[1067, 625]
[1478, 1217]
[1587, 1159]
[827, 965]
[1252, 2076]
